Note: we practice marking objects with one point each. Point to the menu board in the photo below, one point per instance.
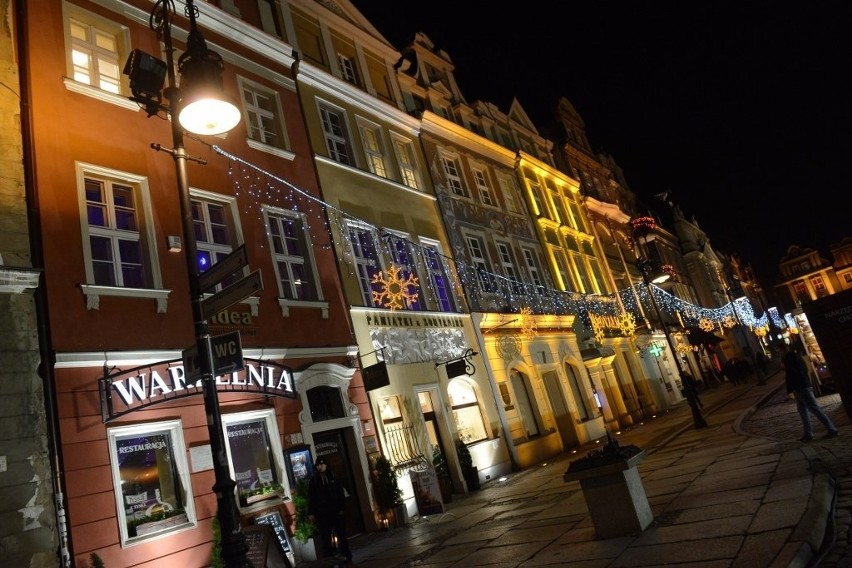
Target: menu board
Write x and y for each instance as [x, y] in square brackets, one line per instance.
[276, 523]
[257, 539]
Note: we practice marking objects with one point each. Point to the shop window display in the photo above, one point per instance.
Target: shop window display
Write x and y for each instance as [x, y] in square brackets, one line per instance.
[151, 474]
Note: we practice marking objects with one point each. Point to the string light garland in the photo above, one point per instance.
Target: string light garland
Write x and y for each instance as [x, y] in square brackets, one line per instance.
[260, 187]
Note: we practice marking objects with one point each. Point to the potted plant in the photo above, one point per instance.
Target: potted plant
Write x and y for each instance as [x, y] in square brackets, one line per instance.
[443, 473]
[470, 472]
[388, 493]
[305, 528]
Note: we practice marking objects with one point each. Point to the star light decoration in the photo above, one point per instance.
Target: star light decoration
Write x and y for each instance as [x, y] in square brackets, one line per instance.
[395, 290]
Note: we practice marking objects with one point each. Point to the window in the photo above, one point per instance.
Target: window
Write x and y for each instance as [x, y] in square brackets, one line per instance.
[366, 258]
[533, 267]
[347, 69]
[371, 137]
[466, 411]
[326, 403]
[507, 186]
[215, 237]
[454, 181]
[254, 451]
[336, 135]
[507, 263]
[97, 49]
[476, 248]
[584, 409]
[402, 255]
[538, 198]
[405, 160]
[439, 279]
[818, 283]
[485, 193]
[289, 240]
[117, 229]
[263, 114]
[801, 290]
[151, 480]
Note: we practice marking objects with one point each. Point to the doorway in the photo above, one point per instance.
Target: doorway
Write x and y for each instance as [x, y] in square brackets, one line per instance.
[333, 446]
[561, 414]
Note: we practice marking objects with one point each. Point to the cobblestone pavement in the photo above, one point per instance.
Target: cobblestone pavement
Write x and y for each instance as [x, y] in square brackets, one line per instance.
[535, 519]
[776, 418]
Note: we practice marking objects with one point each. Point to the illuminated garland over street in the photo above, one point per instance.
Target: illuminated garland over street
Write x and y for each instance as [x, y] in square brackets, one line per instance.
[521, 297]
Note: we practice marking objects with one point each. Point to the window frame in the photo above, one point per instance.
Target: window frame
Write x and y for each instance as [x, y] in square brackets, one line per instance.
[433, 253]
[375, 154]
[274, 115]
[218, 250]
[455, 178]
[365, 267]
[145, 232]
[406, 161]
[174, 429]
[486, 193]
[275, 451]
[308, 261]
[337, 144]
[464, 407]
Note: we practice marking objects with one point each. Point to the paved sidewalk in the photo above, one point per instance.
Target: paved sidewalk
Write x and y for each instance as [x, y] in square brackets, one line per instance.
[743, 492]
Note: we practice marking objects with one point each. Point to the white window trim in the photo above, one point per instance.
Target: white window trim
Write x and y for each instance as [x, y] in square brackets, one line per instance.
[484, 188]
[268, 416]
[286, 303]
[398, 141]
[366, 125]
[356, 260]
[175, 430]
[347, 139]
[278, 116]
[447, 272]
[92, 291]
[456, 161]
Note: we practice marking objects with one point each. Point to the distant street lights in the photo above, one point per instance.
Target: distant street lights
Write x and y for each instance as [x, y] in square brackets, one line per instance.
[200, 107]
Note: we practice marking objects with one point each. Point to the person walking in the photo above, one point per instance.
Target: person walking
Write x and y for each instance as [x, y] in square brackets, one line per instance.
[799, 385]
[326, 503]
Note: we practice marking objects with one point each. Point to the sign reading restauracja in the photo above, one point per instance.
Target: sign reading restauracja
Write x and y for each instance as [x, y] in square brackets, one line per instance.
[126, 391]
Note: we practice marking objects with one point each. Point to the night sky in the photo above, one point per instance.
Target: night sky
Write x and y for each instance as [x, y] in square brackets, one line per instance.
[740, 109]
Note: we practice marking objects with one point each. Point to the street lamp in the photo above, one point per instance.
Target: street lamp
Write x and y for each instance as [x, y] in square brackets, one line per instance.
[200, 94]
[650, 276]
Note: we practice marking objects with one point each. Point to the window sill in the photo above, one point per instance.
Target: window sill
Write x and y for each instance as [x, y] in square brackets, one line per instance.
[261, 147]
[93, 295]
[100, 94]
[287, 304]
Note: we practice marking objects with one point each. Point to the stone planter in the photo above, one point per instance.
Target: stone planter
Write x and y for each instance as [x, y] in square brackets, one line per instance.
[613, 489]
[304, 551]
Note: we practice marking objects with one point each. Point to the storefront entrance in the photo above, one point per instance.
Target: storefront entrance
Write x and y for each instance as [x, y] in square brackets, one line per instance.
[335, 448]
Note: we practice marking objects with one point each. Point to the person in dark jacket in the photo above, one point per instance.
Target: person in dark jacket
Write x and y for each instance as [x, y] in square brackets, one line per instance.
[326, 502]
[799, 384]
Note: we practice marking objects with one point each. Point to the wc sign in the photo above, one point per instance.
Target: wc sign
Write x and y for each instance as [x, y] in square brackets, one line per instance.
[227, 356]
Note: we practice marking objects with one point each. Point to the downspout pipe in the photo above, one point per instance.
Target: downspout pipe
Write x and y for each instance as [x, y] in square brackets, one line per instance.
[46, 366]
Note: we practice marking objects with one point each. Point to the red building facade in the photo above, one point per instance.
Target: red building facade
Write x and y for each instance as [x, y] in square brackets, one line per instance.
[136, 470]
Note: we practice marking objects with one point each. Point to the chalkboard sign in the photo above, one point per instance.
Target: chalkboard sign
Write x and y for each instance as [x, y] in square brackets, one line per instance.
[275, 521]
[257, 539]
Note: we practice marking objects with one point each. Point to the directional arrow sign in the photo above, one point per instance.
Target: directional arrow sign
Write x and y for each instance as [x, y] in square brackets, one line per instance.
[236, 292]
[237, 259]
[227, 356]
[227, 353]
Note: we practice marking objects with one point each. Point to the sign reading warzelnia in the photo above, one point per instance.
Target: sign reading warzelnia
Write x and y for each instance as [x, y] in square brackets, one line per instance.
[141, 387]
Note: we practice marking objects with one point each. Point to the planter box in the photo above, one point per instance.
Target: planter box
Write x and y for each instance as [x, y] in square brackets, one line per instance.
[156, 526]
[613, 490]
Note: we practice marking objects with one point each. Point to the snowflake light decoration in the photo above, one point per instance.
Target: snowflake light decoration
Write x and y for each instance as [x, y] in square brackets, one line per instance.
[729, 322]
[395, 290]
[528, 325]
[706, 324]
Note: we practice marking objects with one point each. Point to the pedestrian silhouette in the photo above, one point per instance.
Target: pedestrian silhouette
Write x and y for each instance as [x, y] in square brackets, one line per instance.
[799, 385]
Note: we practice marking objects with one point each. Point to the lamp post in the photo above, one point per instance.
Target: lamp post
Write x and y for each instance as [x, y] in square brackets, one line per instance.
[201, 77]
[691, 396]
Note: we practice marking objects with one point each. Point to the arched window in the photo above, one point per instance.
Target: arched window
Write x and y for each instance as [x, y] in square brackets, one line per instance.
[468, 415]
[584, 411]
[527, 409]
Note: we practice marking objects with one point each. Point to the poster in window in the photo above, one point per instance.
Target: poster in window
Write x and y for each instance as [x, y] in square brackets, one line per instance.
[300, 464]
[250, 454]
[149, 482]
